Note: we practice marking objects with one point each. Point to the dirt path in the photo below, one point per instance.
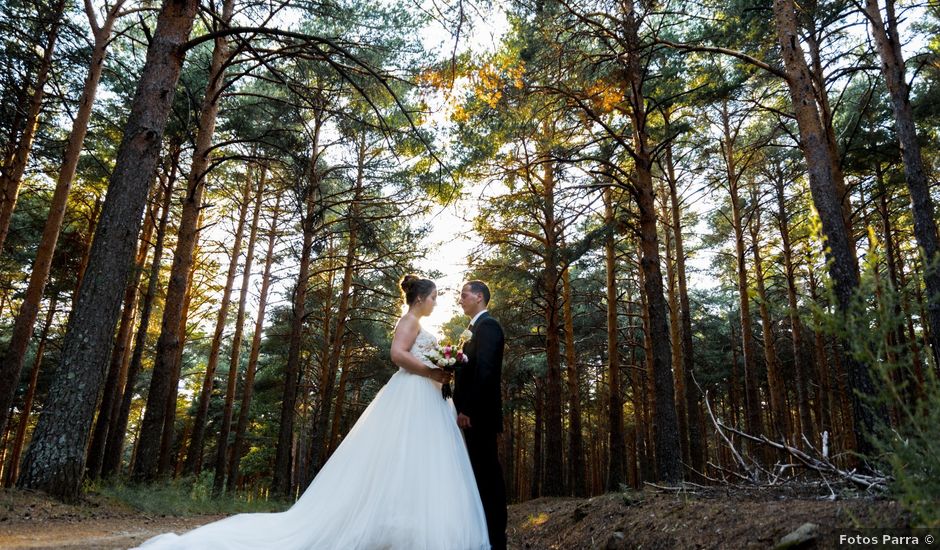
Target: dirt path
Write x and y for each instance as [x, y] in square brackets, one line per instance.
[94, 533]
[714, 518]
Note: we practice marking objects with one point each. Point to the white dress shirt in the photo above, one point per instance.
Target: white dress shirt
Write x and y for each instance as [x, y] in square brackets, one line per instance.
[475, 317]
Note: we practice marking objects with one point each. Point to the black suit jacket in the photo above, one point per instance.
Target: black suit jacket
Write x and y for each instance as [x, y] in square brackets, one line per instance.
[477, 391]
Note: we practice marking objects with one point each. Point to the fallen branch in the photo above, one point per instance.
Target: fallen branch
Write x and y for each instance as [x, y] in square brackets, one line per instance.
[823, 464]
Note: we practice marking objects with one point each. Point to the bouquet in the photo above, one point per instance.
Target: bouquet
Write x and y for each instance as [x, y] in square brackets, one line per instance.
[448, 357]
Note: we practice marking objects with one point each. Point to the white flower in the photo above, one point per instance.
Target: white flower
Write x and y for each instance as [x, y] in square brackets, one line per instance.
[466, 334]
[452, 360]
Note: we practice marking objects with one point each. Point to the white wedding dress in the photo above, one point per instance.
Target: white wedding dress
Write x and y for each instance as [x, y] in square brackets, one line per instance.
[401, 479]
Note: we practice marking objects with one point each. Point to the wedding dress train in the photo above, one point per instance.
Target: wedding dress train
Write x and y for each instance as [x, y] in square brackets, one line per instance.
[401, 479]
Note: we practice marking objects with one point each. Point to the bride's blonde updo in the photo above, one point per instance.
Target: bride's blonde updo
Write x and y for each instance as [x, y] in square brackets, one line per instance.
[414, 288]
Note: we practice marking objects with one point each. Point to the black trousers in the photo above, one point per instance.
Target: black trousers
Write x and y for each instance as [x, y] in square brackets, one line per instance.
[484, 458]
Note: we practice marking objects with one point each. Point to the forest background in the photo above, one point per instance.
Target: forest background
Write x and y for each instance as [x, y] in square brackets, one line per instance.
[709, 227]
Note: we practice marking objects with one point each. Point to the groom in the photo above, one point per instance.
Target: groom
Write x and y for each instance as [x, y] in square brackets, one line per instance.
[478, 399]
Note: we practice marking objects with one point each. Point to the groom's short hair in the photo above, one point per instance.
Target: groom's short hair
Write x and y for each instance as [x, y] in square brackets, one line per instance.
[479, 287]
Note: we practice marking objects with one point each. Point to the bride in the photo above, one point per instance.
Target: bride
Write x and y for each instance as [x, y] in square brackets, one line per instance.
[401, 479]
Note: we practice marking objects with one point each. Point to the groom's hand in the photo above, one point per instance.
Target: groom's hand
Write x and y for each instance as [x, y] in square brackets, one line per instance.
[463, 421]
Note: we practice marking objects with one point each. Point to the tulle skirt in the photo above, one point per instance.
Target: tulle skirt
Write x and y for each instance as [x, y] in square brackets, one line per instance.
[401, 479]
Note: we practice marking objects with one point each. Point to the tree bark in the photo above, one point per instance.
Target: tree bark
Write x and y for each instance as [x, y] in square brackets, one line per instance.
[576, 467]
[166, 459]
[825, 410]
[54, 461]
[668, 453]
[825, 181]
[11, 363]
[616, 475]
[119, 356]
[692, 397]
[169, 345]
[535, 485]
[339, 409]
[554, 483]
[888, 42]
[672, 303]
[328, 371]
[13, 467]
[117, 431]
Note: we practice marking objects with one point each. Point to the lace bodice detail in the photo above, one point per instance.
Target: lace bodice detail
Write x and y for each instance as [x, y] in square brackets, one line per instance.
[424, 345]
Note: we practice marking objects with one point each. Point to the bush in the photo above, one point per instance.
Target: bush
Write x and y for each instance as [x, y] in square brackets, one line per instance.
[909, 438]
[913, 452]
[186, 497]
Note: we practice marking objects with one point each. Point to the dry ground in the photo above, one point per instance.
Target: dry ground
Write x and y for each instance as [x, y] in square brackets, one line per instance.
[701, 518]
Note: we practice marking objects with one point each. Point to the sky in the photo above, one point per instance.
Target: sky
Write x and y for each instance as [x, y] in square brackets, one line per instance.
[452, 237]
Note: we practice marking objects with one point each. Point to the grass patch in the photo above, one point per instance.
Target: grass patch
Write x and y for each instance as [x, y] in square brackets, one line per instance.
[184, 497]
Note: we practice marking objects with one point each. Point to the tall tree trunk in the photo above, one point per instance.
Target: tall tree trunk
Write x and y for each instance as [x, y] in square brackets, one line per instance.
[169, 345]
[616, 475]
[117, 430]
[752, 402]
[535, 486]
[554, 483]
[576, 468]
[285, 440]
[734, 401]
[668, 453]
[54, 461]
[9, 477]
[891, 253]
[645, 383]
[86, 251]
[692, 397]
[780, 414]
[166, 458]
[12, 176]
[11, 364]
[328, 371]
[248, 383]
[906, 307]
[825, 415]
[163, 382]
[666, 431]
[339, 409]
[796, 326]
[825, 182]
[672, 303]
[222, 445]
[888, 42]
[119, 357]
[817, 78]
[197, 441]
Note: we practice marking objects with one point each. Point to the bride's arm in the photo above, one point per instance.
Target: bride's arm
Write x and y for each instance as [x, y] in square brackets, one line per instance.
[404, 338]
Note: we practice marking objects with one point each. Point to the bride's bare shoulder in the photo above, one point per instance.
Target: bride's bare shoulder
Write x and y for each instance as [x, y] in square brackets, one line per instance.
[408, 324]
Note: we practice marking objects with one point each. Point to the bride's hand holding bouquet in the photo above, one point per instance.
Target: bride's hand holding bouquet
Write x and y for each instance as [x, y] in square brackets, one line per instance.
[448, 357]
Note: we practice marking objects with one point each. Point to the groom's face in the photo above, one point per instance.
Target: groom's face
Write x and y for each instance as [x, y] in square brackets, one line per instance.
[470, 301]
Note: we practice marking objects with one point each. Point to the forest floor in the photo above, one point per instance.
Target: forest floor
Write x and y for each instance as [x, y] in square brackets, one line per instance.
[719, 517]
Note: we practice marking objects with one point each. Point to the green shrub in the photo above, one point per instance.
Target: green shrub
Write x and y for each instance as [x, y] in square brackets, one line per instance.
[185, 497]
